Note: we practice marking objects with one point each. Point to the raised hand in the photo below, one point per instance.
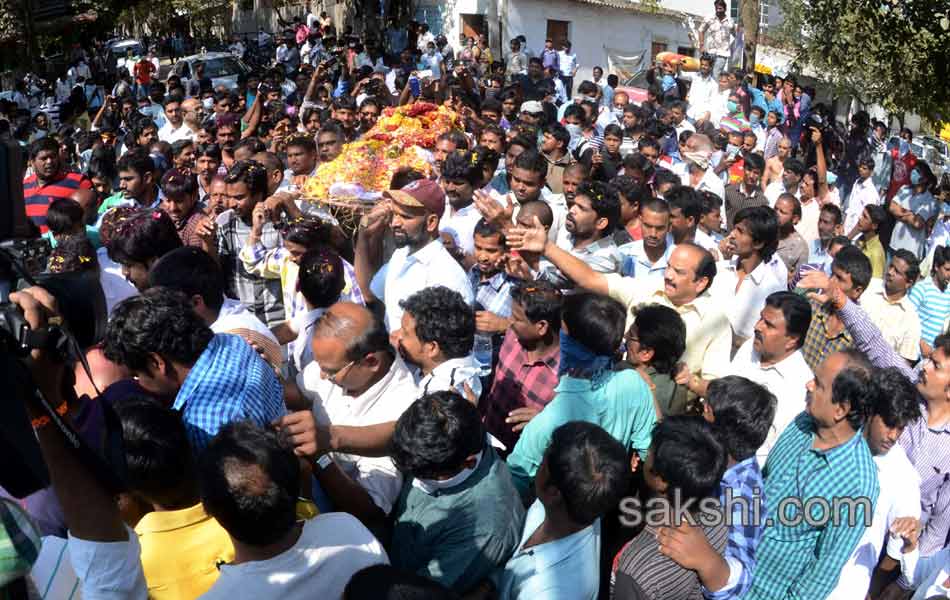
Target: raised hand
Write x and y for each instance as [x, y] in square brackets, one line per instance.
[531, 239]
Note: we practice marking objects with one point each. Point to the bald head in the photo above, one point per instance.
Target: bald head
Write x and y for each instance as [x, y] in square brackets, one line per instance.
[699, 142]
[360, 330]
[189, 110]
[86, 199]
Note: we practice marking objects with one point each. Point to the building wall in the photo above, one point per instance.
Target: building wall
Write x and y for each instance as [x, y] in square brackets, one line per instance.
[594, 28]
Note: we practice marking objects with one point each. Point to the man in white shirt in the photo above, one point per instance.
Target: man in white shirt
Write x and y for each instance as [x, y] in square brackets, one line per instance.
[420, 260]
[863, 193]
[461, 176]
[250, 484]
[355, 388]
[746, 279]
[436, 337]
[702, 90]
[888, 306]
[648, 257]
[174, 128]
[193, 272]
[773, 358]
[895, 404]
[567, 65]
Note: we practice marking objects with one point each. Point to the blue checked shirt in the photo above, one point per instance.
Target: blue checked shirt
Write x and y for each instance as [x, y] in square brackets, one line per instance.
[802, 560]
[494, 294]
[742, 482]
[229, 382]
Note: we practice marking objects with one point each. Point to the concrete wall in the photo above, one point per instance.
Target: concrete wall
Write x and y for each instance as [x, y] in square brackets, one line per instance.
[594, 27]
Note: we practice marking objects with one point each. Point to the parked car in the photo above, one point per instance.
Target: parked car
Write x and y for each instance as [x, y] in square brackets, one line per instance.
[222, 67]
[924, 151]
[120, 48]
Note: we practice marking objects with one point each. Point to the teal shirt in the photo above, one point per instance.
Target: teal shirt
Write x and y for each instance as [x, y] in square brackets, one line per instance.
[622, 405]
[461, 535]
[803, 561]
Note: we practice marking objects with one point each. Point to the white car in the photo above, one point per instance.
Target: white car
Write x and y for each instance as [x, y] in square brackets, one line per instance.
[222, 67]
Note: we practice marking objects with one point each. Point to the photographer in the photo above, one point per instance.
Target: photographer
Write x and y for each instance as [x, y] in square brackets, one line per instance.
[103, 551]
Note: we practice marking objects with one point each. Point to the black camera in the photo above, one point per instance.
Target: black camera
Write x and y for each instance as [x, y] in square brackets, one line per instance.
[82, 305]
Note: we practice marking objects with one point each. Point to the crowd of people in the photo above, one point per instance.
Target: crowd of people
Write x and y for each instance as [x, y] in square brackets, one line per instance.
[689, 347]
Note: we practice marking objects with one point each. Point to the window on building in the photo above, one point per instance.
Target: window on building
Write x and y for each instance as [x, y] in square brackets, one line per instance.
[558, 32]
[764, 6]
[655, 49]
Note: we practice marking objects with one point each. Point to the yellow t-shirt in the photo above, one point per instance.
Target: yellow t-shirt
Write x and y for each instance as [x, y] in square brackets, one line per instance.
[181, 550]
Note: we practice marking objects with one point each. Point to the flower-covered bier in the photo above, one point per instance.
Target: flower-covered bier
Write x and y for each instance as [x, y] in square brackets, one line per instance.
[392, 144]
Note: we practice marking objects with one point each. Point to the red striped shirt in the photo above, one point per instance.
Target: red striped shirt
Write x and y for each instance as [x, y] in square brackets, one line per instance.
[37, 198]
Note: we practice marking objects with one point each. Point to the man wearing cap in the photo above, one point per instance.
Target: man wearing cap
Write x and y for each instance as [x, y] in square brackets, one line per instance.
[420, 260]
[532, 112]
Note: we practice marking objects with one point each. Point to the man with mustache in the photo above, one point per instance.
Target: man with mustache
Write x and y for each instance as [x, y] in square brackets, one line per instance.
[773, 358]
[925, 440]
[889, 307]
[591, 220]
[688, 276]
[420, 260]
[647, 258]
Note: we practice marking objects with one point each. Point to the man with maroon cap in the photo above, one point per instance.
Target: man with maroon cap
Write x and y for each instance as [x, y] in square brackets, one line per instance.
[420, 260]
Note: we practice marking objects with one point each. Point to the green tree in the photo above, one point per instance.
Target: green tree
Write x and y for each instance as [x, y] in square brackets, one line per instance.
[895, 53]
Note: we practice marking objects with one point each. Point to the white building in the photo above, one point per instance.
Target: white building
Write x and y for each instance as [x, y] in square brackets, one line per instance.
[597, 29]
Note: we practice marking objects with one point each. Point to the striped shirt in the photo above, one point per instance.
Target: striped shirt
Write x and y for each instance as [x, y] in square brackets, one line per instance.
[933, 307]
[37, 198]
[927, 447]
[802, 558]
[641, 572]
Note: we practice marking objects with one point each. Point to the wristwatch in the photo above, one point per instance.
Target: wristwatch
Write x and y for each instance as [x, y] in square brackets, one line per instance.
[323, 461]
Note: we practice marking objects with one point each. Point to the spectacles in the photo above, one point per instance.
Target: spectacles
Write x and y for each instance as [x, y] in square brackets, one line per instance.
[335, 376]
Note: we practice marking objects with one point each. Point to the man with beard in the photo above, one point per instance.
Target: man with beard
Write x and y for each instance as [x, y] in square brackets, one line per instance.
[889, 307]
[436, 337]
[792, 248]
[773, 359]
[48, 182]
[227, 135]
[647, 258]
[420, 260]
[591, 221]
[344, 111]
[461, 176]
[829, 226]
[137, 182]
